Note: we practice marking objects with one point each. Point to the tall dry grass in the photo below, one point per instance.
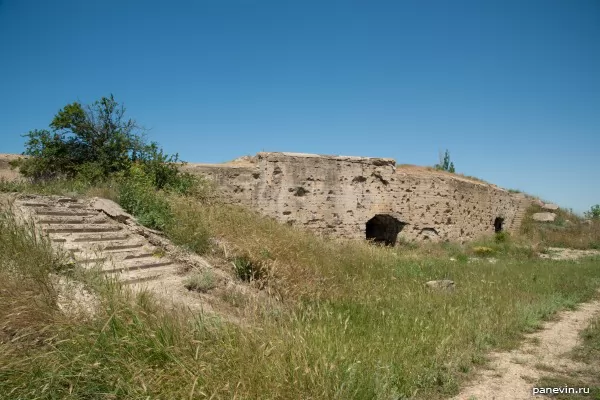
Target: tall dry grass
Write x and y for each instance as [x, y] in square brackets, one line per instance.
[355, 320]
[568, 230]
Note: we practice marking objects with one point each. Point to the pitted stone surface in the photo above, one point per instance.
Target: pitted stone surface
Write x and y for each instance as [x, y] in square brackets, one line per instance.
[550, 207]
[544, 217]
[339, 195]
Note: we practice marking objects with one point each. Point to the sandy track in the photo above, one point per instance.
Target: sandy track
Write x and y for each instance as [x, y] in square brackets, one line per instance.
[513, 374]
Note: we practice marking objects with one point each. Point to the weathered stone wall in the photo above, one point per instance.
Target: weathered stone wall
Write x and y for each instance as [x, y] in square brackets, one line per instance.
[359, 197]
[330, 195]
[236, 182]
[356, 197]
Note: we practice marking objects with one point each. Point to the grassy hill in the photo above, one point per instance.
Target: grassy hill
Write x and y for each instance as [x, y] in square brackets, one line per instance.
[343, 319]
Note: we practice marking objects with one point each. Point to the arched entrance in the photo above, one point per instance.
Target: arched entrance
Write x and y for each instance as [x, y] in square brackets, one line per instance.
[498, 224]
[383, 228]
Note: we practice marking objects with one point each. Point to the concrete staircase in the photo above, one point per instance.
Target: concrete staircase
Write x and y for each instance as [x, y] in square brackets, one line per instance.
[95, 239]
[524, 204]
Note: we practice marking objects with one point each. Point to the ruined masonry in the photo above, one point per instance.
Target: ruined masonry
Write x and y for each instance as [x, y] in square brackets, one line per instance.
[360, 197]
[366, 198]
[96, 238]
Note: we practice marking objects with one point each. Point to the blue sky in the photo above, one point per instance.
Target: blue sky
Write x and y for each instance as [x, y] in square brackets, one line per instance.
[511, 88]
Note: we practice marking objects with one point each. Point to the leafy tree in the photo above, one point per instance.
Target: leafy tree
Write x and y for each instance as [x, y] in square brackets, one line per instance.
[594, 212]
[445, 163]
[95, 139]
[161, 167]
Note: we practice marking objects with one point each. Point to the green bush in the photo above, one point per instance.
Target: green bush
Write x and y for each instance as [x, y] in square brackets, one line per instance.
[94, 142]
[138, 196]
[160, 167]
[248, 270]
[594, 212]
[90, 173]
[95, 139]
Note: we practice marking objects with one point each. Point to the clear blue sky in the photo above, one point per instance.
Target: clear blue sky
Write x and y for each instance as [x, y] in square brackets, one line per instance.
[511, 88]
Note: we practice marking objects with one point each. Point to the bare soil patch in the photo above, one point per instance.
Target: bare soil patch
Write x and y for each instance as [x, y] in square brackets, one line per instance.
[558, 253]
[512, 375]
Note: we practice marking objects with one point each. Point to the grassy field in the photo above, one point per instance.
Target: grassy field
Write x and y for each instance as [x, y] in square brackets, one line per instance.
[354, 321]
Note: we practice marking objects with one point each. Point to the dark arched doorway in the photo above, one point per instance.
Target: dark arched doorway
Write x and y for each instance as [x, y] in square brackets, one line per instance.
[498, 224]
[384, 228]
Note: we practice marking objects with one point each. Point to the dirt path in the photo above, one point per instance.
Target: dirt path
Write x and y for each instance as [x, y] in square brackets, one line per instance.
[513, 374]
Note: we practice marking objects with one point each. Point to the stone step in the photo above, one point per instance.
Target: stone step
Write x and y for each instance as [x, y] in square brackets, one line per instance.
[56, 211]
[62, 211]
[83, 228]
[36, 204]
[136, 264]
[87, 239]
[97, 237]
[94, 240]
[76, 206]
[67, 200]
[122, 245]
[136, 255]
[91, 256]
[139, 276]
[109, 246]
[57, 220]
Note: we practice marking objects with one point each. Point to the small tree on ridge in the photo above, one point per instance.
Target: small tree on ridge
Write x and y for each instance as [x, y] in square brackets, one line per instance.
[445, 163]
[594, 212]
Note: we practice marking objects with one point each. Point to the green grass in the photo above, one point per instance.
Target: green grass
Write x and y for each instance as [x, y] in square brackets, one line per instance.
[354, 321]
[76, 188]
[589, 353]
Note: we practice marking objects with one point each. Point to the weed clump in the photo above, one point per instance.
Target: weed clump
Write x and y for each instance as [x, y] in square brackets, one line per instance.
[501, 237]
[138, 196]
[247, 269]
[483, 251]
[201, 281]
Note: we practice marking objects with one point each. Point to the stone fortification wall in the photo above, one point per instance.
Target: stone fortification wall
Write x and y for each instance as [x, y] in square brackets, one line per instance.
[358, 197]
[331, 195]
